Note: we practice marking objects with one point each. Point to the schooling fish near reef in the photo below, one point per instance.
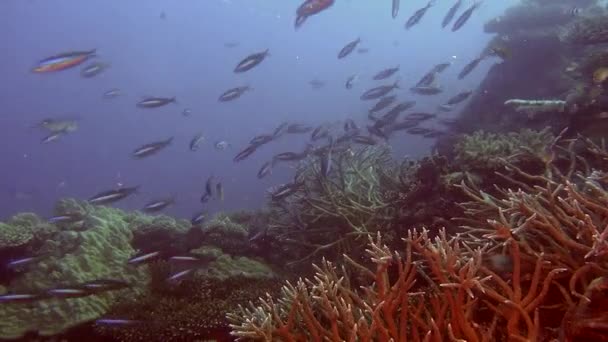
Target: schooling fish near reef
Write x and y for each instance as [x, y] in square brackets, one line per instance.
[233, 93]
[111, 196]
[469, 67]
[309, 8]
[151, 148]
[158, 205]
[459, 98]
[93, 69]
[451, 13]
[251, 61]
[464, 17]
[155, 102]
[63, 61]
[380, 91]
[266, 169]
[386, 73]
[348, 48]
[415, 18]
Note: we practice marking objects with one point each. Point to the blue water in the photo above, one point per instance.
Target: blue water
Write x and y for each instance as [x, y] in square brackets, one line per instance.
[184, 56]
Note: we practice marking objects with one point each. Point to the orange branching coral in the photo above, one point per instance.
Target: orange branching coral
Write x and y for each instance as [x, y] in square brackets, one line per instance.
[393, 308]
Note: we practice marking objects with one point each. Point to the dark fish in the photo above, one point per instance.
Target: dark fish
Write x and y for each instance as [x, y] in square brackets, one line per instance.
[434, 134]
[233, 93]
[219, 191]
[290, 156]
[245, 153]
[386, 73]
[198, 218]
[379, 91]
[19, 297]
[102, 285]
[251, 61]
[112, 93]
[362, 50]
[180, 275]
[464, 17]
[155, 102]
[364, 140]
[209, 186]
[280, 130]
[427, 79]
[163, 15]
[405, 105]
[93, 69]
[326, 160]
[459, 98]
[383, 103]
[151, 148]
[112, 196]
[158, 205]
[377, 131]
[261, 139]
[298, 128]
[420, 116]
[52, 137]
[284, 191]
[116, 322]
[451, 13]
[265, 170]
[415, 18]
[403, 125]
[439, 68]
[319, 133]
[445, 107]
[187, 112]
[140, 259]
[231, 45]
[350, 81]
[348, 48]
[469, 67]
[317, 84]
[419, 130]
[310, 7]
[350, 126]
[221, 145]
[388, 118]
[196, 141]
[63, 61]
[395, 8]
[426, 90]
[66, 218]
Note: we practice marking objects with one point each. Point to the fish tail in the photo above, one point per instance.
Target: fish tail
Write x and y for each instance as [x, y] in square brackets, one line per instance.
[174, 100]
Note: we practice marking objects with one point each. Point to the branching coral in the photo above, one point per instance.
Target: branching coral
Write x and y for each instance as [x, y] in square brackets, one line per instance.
[525, 267]
[330, 213]
[483, 151]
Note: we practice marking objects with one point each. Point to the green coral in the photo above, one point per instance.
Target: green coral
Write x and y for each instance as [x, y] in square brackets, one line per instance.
[225, 266]
[70, 258]
[488, 151]
[23, 229]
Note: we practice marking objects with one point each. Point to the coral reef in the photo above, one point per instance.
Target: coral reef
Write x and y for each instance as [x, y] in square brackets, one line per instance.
[587, 31]
[73, 257]
[485, 152]
[525, 266]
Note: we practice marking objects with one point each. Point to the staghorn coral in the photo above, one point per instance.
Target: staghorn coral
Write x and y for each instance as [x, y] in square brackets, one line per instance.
[525, 266]
[483, 151]
[72, 257]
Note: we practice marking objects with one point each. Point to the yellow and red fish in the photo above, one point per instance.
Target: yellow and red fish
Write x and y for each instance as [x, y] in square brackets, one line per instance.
[63, 61]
